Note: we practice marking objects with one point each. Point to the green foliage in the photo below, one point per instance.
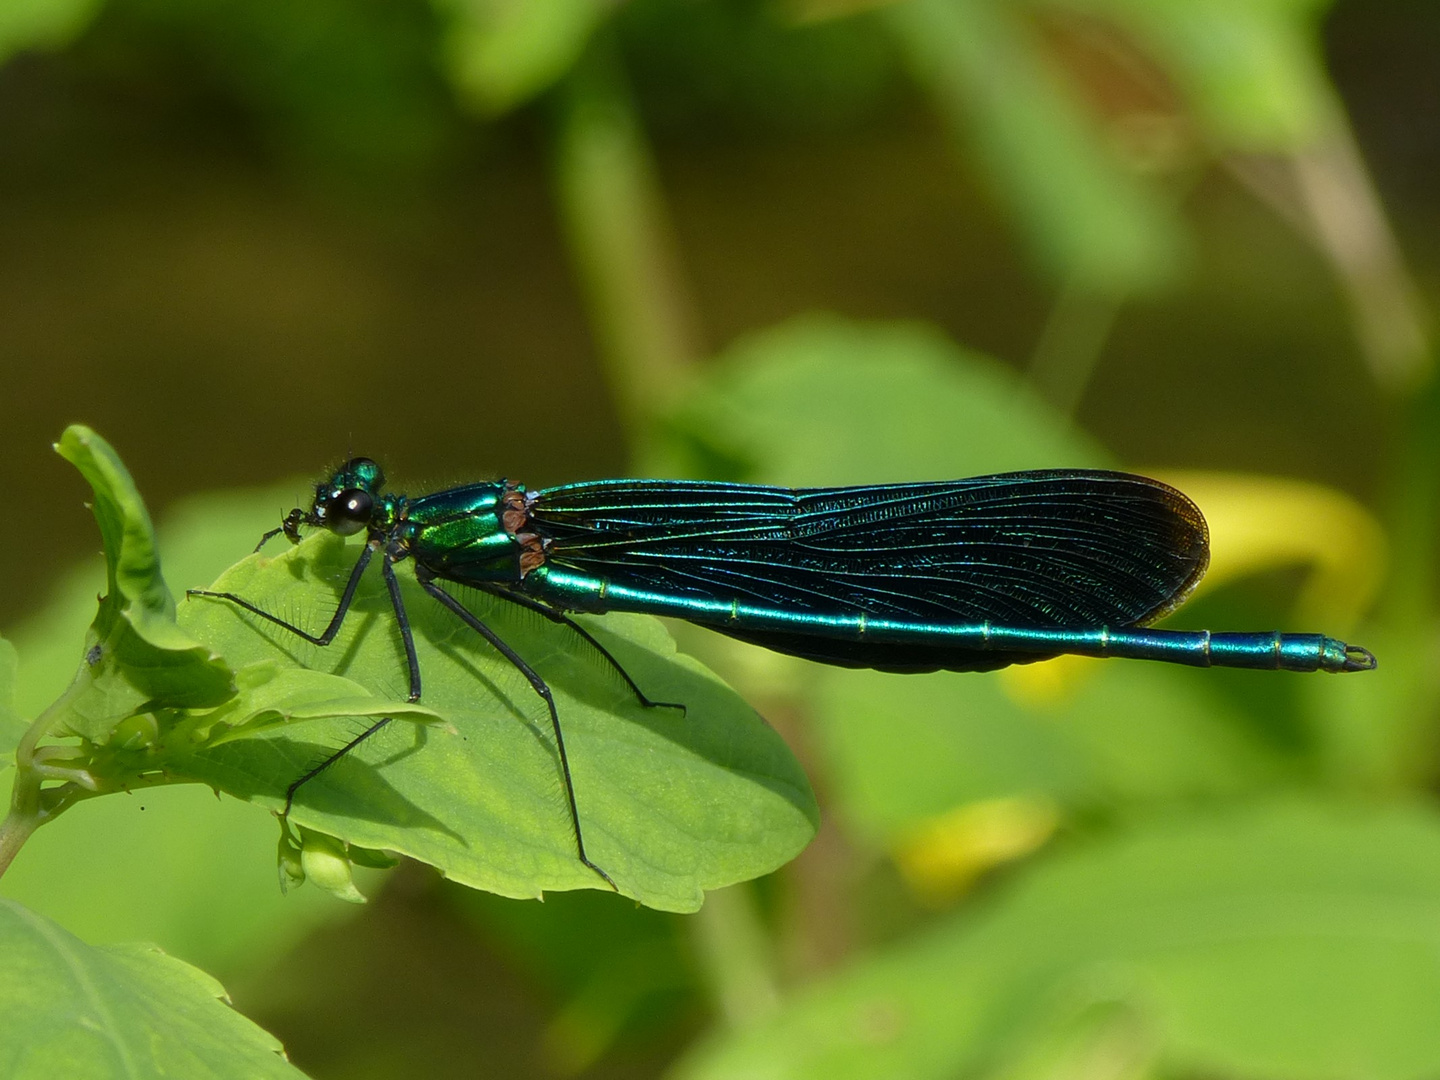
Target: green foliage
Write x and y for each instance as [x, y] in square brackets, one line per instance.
[1222, 930]
[46, 24]
[823, 400]
[90, 1013]
[347, 92]
[479, 795]
[359, 87]
[500, 53]
[1090, 219]
[136, 654]
[199, 536]
[1251, 69]
[180, 867]
[904, 748]
[753, 66]
[176, 866]
[1272, 940]
[482, 798]
[615, 969]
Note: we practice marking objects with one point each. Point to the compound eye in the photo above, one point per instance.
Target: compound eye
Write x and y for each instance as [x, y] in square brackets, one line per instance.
[365, 473]
[349, 511]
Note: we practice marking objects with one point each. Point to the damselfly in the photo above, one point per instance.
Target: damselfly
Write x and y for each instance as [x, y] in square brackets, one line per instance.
[964, 575]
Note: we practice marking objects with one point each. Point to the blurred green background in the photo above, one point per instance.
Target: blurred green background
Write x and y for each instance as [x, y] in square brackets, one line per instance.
[805, 242]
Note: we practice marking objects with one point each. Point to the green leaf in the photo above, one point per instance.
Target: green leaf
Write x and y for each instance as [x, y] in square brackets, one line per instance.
[173, 865]
[121, 1011]
[824, 400]
[132, 564]
[903, 748]
[136, 654]
[1289, 940]
[1252, 69]
[671, 804]
[180, 867]
[501, 53]
[1092, 223]
[200, 537]
[42, 24]
[1375, 734]
[621, 975]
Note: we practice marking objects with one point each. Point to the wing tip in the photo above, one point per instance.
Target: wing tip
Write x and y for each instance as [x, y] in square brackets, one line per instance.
[1193, 537]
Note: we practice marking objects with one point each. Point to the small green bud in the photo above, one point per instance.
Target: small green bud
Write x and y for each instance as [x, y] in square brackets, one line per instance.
[134, 732]
[324, 861]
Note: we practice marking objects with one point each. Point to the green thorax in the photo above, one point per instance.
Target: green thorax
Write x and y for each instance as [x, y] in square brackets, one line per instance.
[471, 534]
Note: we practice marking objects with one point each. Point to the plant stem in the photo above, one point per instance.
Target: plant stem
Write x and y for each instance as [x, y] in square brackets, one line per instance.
[14, 831]
[1070, 344]
[1325, 193]
[736, 956]
[27, 810]
[614, 219]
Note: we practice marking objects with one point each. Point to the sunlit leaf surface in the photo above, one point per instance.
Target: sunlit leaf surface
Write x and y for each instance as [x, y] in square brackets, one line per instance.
[119, 1011]
[671, 804]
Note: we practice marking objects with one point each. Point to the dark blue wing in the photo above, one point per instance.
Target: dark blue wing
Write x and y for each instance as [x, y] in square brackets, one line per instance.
[1056, 548]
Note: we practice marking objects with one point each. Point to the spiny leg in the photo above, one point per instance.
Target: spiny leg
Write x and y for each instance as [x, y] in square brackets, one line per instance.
[324, 637]
[560, 617]
[540, 687]
[387, 569]
[347, 598]
[408, 640]
[325, 763]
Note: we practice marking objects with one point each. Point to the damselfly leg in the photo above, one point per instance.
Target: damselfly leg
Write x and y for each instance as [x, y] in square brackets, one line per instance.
[397, 603]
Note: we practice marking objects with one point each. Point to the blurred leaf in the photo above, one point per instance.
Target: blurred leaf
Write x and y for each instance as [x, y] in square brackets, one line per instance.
[941, 857]
[615, 222]
[126, 1011]
[348, 89]
[1252, 69]
[671, 804]
[501, 53]
[619, 969]
[704, 66]
[1283, 940]
[42, 24]
[822, 400]
[1258, 523]
[1379, 734]
[174, 865]
[1093, 224]
[902, 749]
[12, 726]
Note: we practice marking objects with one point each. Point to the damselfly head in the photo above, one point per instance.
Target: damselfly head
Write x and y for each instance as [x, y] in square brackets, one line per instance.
[344, 503]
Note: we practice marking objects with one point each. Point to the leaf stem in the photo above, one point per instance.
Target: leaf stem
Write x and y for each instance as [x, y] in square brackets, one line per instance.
[737, 956]
[14, 831]
[1071, 343]
[616, 227]
[28, 807]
